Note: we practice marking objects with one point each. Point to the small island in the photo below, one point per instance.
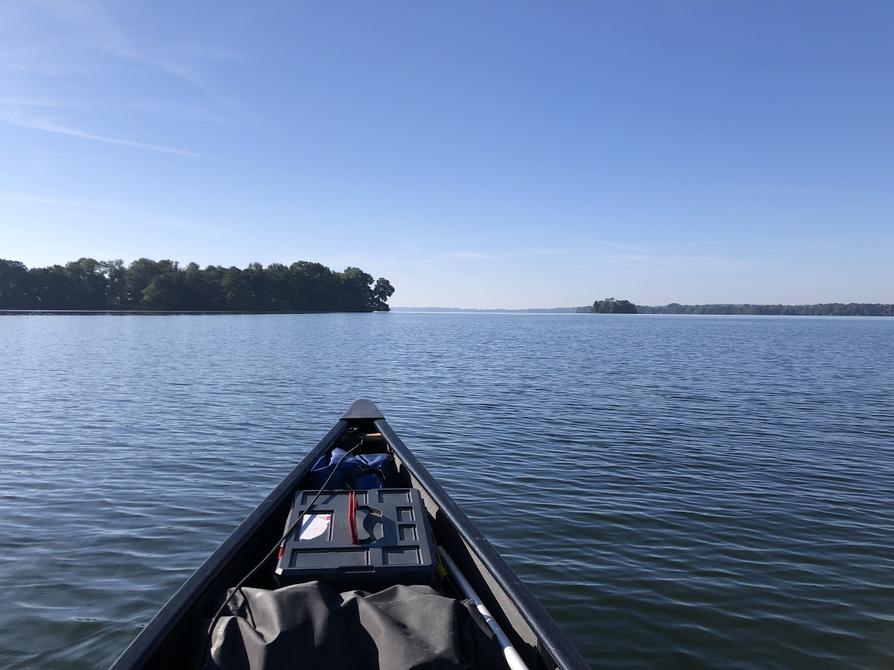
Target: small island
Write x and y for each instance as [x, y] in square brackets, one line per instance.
[147, 285]
[613, 306]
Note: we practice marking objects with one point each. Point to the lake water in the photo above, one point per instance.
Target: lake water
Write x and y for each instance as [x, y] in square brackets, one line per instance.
[678, 491]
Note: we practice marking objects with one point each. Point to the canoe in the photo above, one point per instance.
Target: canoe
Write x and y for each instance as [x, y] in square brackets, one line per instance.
[177, 637]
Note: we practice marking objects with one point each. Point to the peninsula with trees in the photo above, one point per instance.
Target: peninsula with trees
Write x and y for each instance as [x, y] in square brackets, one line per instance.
[147, 285]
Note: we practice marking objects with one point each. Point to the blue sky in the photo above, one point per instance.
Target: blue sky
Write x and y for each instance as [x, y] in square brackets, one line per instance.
[502, 154]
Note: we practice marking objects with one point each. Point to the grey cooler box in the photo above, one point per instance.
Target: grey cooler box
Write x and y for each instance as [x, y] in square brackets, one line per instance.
[391, 542]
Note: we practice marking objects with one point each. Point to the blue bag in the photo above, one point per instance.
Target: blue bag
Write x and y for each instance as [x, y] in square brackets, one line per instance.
[358, 471]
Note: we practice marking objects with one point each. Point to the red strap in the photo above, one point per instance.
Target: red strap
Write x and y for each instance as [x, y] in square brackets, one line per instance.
[352, 517]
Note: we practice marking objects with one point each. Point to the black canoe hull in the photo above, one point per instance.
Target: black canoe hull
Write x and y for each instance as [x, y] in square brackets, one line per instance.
[175, 636]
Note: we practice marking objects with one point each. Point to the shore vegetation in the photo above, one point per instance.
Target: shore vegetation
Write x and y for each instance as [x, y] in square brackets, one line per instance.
[165, 285]
[821, 309]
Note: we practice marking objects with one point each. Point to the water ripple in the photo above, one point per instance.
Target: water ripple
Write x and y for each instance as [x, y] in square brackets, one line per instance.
[679, 492]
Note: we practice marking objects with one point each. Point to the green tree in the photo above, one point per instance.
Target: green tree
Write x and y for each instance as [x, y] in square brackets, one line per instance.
[355, 294]
[115, 287]
[16, 285]
[52, 288]
[162, 292]
[86, 284]
[381, 292]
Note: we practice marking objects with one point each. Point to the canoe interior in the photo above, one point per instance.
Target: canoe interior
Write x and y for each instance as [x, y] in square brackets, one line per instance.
[176, 637]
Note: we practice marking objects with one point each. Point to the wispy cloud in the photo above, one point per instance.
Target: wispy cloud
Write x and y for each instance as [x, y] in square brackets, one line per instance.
[658, 254]
[103, 41]
[16, 115]
[10, 103]
[424, 260]
[470, 256]
[658, 257]
[181, 60]
[43, 200]
[161, 222]
[481, 255]
[702, 244]
[104, 159]
[182, 111]
[674, 262]
[41, 67]
[179, 225]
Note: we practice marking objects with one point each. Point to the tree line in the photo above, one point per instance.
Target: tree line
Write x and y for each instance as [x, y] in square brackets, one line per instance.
[614, 306]
[821, 309]
[145, 284]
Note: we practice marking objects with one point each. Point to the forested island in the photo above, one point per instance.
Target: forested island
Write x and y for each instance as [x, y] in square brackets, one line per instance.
[165, 285]
[612, 306]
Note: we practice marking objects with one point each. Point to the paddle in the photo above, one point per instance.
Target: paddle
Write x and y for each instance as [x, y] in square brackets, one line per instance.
[512, 658]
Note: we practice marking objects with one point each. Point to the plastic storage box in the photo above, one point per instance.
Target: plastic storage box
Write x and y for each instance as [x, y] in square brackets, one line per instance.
[389, 541]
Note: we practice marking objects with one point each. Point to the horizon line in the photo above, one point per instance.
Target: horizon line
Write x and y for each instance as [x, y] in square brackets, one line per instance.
[682, 304]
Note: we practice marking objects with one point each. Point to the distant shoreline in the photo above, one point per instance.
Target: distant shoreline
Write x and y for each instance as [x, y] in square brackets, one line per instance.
[532, 310]
[408, 310]
[819, 309]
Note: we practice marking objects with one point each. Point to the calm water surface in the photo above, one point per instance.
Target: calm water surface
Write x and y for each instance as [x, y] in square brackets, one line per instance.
[678, 491]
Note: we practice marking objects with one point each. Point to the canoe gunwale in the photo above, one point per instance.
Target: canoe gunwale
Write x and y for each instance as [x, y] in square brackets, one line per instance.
[550, 637]
[202, 582]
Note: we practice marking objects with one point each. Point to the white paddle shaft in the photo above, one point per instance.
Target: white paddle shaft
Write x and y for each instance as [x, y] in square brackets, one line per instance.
[512, 658]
